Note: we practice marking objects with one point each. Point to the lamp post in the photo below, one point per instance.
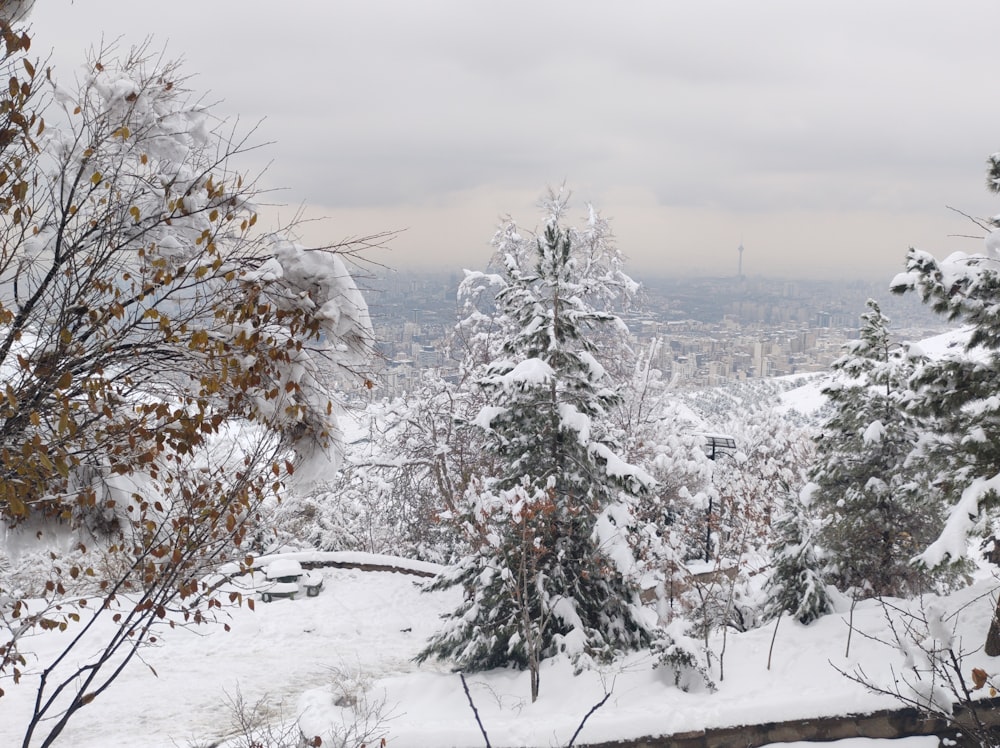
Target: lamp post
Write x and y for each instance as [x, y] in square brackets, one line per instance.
[716, 446]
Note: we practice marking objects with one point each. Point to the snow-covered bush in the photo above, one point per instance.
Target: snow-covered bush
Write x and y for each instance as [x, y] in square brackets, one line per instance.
[684, 658]
[345, 713]
[401, 480]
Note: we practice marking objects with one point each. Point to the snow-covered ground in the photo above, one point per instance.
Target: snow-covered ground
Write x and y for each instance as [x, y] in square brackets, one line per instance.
[359, 636]
[806, 398]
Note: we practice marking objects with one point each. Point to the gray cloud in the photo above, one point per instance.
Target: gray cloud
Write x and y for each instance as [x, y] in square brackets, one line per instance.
[763, 114]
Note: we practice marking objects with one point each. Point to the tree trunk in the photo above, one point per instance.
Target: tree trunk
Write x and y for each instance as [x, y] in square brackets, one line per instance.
[993, 637]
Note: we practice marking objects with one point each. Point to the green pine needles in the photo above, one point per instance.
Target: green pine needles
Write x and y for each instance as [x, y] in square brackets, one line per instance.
[550, 568]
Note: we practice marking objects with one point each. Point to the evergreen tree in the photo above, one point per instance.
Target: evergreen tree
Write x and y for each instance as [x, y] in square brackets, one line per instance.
[550, 568]
[796, 585]
[876, 514]
[956, 394]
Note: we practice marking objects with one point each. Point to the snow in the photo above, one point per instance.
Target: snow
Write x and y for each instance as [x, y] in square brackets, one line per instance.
[953, 541]
[594, 366]
[340, 557]
[905, 279]
[572, 419]
[615, 467]
[610, 530]
[269, 271]
[484, 419]
[322, 281]
[948, 344]
[532, 371]
[284, 567]
[807, 493]
[806, 399]
[358, 638]
[939, 627]
[992, 244]
[347, 655]
[874, 433]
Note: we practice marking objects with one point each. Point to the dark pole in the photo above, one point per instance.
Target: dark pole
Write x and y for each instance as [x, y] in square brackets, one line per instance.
[708, 517]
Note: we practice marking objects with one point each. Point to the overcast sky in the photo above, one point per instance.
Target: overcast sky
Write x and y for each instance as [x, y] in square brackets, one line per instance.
[826, 136]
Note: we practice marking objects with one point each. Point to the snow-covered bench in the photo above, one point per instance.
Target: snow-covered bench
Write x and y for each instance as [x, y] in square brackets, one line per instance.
[286, 578]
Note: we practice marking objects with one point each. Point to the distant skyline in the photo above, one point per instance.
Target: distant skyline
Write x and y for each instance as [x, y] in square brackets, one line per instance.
[825, 137]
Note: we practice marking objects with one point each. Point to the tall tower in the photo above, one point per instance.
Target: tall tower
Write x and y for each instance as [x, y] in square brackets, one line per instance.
[739, 269]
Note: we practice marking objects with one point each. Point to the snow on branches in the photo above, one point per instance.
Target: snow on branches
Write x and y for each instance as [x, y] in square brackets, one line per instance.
[547, 571]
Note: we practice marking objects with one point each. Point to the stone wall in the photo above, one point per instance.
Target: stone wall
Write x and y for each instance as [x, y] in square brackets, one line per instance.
[887, 723]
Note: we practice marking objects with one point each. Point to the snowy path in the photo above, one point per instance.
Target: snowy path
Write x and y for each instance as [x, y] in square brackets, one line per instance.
[278, 651]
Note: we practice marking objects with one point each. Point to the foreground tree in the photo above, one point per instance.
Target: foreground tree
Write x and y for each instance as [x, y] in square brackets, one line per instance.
[165, 364]
[550, 568]
[956, 394]
[876, 511]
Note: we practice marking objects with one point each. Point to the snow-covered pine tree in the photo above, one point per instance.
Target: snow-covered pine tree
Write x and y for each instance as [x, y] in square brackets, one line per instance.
[957, 393]
[876, 513]
[550, 568]
[796, 585]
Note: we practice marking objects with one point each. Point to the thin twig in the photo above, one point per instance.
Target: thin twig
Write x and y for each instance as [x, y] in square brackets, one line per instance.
[476, 711]
[976, 221]
[593, 709]
[850, 627]
[774, 636]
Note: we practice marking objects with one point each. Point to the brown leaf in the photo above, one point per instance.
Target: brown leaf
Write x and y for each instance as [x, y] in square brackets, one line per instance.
[979, 678]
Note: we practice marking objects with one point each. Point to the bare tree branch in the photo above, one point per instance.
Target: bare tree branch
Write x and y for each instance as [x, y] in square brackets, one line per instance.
[475, 712]
[593, 709]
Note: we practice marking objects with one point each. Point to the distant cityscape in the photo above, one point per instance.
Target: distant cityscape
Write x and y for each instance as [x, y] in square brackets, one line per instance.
[713, 330]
